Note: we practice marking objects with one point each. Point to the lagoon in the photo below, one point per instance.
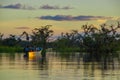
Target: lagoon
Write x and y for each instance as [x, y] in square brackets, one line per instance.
[13, 66]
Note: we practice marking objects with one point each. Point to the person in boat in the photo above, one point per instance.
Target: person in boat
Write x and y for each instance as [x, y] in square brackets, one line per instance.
[26, 51]
[38, 48]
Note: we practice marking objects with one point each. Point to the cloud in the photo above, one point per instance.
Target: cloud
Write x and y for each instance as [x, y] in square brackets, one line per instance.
[24, 7]
[22, 28]
[18, 6]
[15, 6]
[67, 7]
[49, 7]
[73, 18]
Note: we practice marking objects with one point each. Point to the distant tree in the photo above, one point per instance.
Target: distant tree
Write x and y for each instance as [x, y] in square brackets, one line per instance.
[1, 38]
[69, 41]
[40, 37]
[24, 33]
[100, 42]
[10, 41]
[23, 39]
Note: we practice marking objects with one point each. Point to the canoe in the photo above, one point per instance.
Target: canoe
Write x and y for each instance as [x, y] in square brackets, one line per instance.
[34, 54]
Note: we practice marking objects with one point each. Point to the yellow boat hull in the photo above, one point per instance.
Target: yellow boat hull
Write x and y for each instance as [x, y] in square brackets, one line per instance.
[33, 54]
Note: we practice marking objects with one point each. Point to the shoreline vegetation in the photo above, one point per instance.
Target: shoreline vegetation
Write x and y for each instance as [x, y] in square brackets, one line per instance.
[9, 49]
[18, 49]
[97, 42]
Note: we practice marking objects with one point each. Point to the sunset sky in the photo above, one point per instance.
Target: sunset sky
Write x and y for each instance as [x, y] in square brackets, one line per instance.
[17, 16]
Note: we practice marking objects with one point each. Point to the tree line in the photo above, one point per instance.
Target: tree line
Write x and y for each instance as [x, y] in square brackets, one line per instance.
[102, 41]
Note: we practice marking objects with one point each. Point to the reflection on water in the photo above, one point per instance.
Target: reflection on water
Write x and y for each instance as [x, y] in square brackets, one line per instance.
[55, 67]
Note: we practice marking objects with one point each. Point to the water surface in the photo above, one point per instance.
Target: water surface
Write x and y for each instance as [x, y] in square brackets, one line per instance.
[55, 67]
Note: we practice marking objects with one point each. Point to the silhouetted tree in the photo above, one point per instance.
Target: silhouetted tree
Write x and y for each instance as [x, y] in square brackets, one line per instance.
[102, 42]
[1, 38]
[10, 41]
[40, 37]
[68, 41]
